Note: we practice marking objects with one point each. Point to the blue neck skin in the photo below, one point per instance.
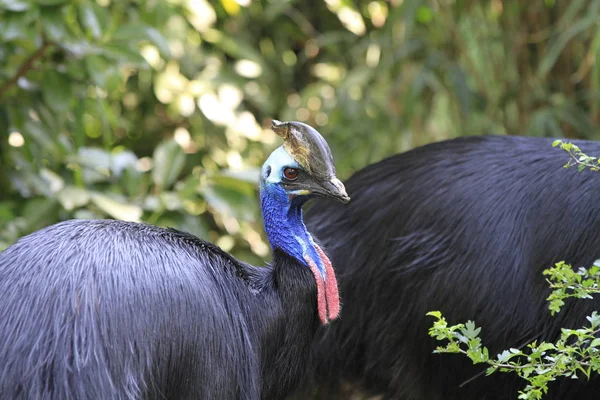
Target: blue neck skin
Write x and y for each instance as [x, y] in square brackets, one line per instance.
[283, 219]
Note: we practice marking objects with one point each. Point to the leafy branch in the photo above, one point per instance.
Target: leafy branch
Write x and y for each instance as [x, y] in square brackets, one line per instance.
[566, 283]
[578, 158]
[573, 355]
[26, 66]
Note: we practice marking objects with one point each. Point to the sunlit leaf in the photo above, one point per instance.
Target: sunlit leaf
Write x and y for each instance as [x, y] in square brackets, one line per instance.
[140, 32]
[231, 6]
[72, 197]
[16, 26]
[14, 5]
[95, 164]
[121, 161]
[81, 48]
[122, 55]
[117, 209]
[53, 23]
[159, 41]
[424, 15]
[250, 175]
[53, 181]
[130, 32]
[51, 2]
[169, 160]
[90, 19]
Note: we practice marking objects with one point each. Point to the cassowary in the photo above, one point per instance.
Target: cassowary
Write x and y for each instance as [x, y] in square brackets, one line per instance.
[466, 227]
[107, 309]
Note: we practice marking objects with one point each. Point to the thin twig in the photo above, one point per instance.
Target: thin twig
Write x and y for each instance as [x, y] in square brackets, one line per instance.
[302, 22]
[27, 65]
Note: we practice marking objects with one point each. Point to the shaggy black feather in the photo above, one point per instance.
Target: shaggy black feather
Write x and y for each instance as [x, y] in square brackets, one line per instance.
[465, 227]
[116, 310]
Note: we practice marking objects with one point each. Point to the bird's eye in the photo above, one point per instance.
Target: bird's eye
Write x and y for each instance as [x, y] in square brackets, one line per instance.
[290, 174]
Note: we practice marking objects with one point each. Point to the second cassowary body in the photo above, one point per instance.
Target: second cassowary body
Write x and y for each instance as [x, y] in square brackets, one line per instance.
[115, 310]
[466, 227]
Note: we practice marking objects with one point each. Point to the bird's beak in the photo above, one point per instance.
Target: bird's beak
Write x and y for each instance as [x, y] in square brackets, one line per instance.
[332, 188]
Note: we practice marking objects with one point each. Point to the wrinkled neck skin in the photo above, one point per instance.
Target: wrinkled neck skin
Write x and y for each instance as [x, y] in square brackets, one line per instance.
[284, 226]
[287, 233]
[282, 214]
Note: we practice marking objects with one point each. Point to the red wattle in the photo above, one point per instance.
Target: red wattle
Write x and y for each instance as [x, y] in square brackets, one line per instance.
[331, 288]
[321, 299]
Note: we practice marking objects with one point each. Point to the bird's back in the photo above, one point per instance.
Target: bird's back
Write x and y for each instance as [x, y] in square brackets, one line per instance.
[108, 309]
[465, 227]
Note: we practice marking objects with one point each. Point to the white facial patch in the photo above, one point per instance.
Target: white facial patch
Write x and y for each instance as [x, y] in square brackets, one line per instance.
[277, 161]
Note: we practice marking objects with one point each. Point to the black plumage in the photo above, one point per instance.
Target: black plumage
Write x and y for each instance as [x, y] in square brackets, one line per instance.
[124, 323]
[102, 309]
[466, 227]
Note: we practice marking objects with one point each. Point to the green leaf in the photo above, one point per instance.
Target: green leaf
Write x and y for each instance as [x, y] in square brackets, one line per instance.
[171, 201]
[40, 212]
[56, 90]
[33, 130]
[95, 164]
[140, 32]
[53, 24]
[52, 180]
[72, 197]
[124, 55]
[117, 209]
[51, 2]
[515, 351]
[122, 161]
[89, 19]
[14, 5]
[544, 346]
[424, 15]
[594, 320]
[159, 41]
[81, 48]
[504, 356]
[250, 175]
[130, 32]
[470, 331]
[195, 226]
[232, 197]
[169, 160]
[97, 67]
[16, 26]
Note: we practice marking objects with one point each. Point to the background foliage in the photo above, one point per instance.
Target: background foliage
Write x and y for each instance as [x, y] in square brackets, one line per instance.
[157, 110]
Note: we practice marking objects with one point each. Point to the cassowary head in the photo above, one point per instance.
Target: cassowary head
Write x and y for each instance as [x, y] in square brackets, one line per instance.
[298, 170]
[303, 166]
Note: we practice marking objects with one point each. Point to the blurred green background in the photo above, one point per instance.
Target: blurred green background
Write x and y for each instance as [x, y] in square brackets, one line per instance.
[159, 110]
